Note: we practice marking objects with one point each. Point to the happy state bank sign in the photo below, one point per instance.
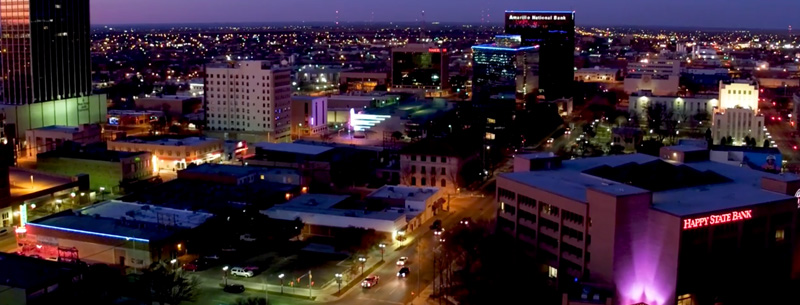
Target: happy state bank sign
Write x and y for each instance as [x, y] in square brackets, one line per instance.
[691, 223]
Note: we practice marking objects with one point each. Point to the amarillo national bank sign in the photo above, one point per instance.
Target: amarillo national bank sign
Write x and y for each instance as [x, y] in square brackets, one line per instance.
[539, 17]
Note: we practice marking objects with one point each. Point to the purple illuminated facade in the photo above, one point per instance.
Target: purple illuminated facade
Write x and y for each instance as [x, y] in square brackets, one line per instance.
[651, 230]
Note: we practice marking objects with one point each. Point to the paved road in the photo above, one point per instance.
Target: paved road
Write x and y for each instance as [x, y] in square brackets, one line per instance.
[391, 289]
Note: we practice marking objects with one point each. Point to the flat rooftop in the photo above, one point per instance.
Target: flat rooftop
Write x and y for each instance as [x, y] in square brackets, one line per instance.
[191, 141]
[735, 187]
[21, 184]
[90, 154]
[115, 209]
[212, 197]
[295, 148]
[223, 170]
[404, 192]
[59, 128]
[324, 204]
[31, 273]
[537, 155]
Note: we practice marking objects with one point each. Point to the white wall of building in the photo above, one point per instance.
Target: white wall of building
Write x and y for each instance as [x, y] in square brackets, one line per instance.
[249, 96]
[738, 123]
[738, 94]
[658, 84]
[685, 107]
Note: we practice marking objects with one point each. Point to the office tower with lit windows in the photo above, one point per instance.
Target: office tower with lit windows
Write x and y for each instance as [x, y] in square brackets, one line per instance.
[554, 33]
[420, 67]
[46, 64]
[249, 97]
[504, 69]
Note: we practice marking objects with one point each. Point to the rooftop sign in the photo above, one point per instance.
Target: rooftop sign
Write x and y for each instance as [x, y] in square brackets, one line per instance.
[691, 223]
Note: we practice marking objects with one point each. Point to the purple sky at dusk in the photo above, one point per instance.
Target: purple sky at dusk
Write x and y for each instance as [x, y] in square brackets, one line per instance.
[701, 13]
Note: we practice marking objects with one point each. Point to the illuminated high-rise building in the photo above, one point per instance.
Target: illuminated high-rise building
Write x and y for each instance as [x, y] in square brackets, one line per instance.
[46, 68]
[504, 69]
[46, 50]
[554, 32]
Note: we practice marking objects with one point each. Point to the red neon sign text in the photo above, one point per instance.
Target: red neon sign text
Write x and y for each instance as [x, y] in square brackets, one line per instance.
[435, 50]
[717, 219]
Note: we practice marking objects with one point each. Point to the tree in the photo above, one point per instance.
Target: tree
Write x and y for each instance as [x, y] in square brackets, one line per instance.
[766, 143]
[358, 240]
[251, 301]
[166, 285]
[709, 137]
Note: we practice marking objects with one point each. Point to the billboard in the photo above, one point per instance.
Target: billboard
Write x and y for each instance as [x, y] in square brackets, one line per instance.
[539, 20]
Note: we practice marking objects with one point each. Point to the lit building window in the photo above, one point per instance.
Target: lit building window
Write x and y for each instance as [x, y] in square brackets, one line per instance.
[779, 235]
[552, 272]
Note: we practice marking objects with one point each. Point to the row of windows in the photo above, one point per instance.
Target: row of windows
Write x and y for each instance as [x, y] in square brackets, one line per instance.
[552, 225]
[211, 88]
[424, 182]
[527, 216]
[443, 170]
[236, 96]
[508, 209]
[237, 89]
[548, 209]
[748, 92]
[567, 248]
[424, 158]
[573, 217]
[527, 201]
[235, 76]
[567, 231]
[504, 193]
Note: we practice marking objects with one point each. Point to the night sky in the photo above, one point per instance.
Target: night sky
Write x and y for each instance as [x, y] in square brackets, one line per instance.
[777, 14]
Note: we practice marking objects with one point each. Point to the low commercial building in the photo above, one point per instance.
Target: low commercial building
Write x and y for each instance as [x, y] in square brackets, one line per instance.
[357, 81]
[419, 203]
[28, 280]
[657, 231]
[44, 139]
[309, 116]
[114, 233]
[313, 161]
[238, 175]
[173, 154]
[108, 170]
[29, 189]
[434, 163]
[597, 75]
[323, 215]
[684, 107]
[174, 105]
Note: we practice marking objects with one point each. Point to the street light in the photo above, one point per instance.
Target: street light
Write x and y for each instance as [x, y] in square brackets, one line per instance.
[173, 261]
[339, 281]
[280, 276]
[225, 275]
[103, 193]
[383, 247]
[363, 261]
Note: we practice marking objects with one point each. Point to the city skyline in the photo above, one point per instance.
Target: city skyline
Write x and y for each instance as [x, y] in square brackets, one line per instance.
[707, 14]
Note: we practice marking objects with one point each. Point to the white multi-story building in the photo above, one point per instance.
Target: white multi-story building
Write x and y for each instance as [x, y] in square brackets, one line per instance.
[738, 94]
[685, 107]
[309, 115]
[249, 96]
[660, 76]
[737, 115]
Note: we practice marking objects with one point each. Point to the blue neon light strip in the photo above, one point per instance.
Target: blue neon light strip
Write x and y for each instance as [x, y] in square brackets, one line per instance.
[503, 49]
[87, 232]
[507, 36]
[560, 12]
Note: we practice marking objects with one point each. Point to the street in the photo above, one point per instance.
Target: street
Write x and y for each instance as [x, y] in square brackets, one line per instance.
[390, 289]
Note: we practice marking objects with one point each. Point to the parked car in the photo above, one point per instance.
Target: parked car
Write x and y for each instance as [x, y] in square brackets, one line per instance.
[247, 238]
[239, 271]
[234, 288]
[3, 231]
[196, 265]
[402, 261]
[370, 281]
[403, 272]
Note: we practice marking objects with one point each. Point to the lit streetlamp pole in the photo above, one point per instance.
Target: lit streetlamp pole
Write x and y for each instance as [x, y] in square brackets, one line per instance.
[280, 276]
[363, 261]
[383, 247]
[339, 281]
[225, 275]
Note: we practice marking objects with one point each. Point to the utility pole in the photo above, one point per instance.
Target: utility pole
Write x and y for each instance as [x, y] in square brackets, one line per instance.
[310, 283]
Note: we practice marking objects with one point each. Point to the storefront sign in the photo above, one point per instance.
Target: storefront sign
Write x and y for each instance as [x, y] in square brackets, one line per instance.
[711, 220]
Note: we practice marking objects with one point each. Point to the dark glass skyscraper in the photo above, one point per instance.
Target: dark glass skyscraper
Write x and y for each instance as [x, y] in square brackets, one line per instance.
[504, 69]
[45, 50]
[554, 32]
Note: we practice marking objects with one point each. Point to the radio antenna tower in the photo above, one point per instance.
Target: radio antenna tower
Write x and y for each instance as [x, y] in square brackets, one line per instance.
[790, 31]
[337, 18]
